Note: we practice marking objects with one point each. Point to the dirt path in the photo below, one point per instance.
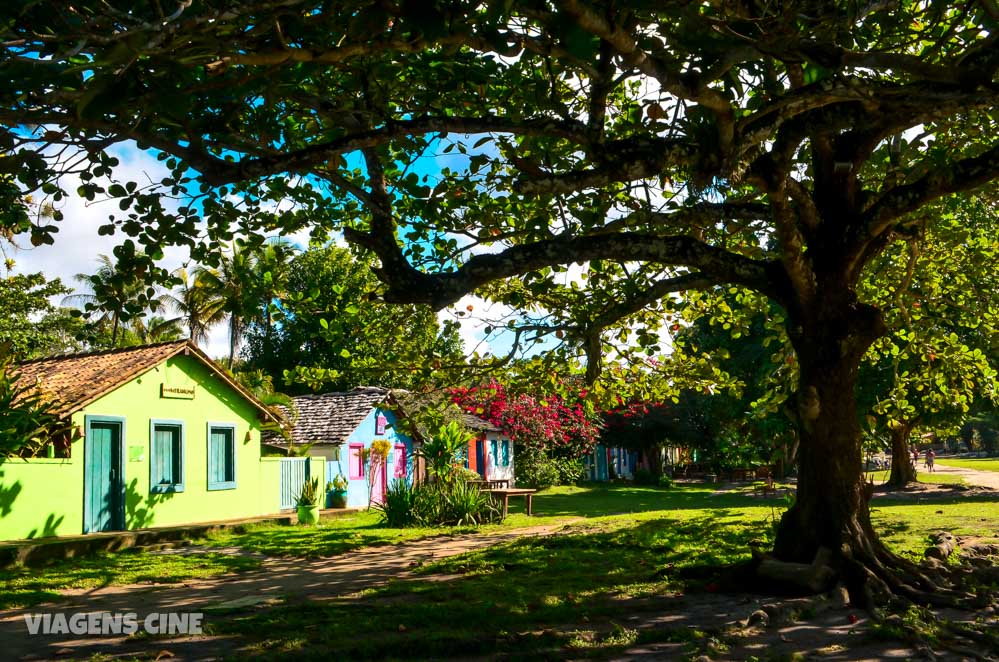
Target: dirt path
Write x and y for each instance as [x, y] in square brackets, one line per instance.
[276, 580]
[988, 479]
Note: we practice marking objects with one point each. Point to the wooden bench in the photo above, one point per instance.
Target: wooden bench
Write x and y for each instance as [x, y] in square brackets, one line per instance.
[506, 492]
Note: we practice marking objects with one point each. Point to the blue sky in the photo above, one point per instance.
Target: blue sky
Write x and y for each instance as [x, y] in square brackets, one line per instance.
[77, 245]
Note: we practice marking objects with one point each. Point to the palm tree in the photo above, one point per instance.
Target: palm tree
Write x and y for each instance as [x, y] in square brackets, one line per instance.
[247, 281]
[157, 329]
[199, 307]
[113, 297]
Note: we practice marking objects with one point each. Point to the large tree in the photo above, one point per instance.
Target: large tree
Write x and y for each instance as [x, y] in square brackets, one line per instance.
[934, 364]
[777, 147]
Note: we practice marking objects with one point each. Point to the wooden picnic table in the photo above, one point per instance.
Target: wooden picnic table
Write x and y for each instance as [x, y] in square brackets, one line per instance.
[743, 473]
[506, 492]
[494, 484]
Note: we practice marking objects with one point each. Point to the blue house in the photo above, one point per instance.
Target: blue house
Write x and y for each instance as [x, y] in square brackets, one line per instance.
[606, 462]
[338, 427]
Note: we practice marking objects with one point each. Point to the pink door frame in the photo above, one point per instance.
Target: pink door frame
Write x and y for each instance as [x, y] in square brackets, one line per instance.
[379, 484]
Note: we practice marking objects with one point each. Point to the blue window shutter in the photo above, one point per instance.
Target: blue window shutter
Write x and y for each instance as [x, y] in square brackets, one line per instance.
[221, 457]
[506, 452]
[494, 447]
[163, 450]
[166, 456]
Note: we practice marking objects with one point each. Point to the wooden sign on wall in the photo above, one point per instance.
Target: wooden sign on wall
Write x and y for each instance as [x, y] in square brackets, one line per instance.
[177, 392]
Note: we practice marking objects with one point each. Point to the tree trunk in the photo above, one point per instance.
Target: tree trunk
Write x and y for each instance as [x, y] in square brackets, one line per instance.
[903, 469]
[831, 509]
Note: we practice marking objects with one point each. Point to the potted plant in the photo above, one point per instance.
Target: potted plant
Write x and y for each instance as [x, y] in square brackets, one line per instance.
[308, 502]
[336, 492]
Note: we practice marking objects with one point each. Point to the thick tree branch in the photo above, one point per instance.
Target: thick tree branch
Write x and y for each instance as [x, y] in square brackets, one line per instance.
[792, 249]
[941, 180]
[408, 285]
[591, 330]
[671, 80]
[622, 161]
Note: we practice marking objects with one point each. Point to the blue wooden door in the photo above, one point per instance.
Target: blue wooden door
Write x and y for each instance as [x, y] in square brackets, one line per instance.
[103, 481]
[480, 458]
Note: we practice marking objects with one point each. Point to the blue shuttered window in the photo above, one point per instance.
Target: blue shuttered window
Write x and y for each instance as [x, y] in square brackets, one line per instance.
[221, 456]
[166, 455]
[506, 452]
[494, 451]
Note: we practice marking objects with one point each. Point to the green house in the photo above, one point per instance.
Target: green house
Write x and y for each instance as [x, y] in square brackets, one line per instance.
[162, 437]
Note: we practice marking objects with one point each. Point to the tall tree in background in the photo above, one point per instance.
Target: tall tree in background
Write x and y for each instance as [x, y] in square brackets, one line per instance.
[778, 148]
[198, 308]
[28, 321]
[934, 363]
[332, 336]
[117, 296]
[245, 282]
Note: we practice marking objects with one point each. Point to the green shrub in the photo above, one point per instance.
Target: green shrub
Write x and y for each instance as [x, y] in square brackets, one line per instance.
[455, 503]
[398, 509]
[463, 474]
[533, 468]
[570, 469]
[466, 504]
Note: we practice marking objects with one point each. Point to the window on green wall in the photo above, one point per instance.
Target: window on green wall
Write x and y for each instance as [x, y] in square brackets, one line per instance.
[221, 456]
[166, 456]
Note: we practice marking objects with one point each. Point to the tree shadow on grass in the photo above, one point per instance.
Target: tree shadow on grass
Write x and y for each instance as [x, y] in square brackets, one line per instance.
[526, 597]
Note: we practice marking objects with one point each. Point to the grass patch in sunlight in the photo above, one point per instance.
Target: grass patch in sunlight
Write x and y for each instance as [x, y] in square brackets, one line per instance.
[978, 464]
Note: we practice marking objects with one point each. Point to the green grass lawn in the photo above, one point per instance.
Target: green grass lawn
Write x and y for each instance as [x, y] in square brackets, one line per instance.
[337, 535]
[880, 477]
[979, 464]
[566, 595]
[635, 542]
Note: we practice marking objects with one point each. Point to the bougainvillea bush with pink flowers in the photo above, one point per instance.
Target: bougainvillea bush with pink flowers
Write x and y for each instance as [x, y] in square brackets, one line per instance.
[553, 432]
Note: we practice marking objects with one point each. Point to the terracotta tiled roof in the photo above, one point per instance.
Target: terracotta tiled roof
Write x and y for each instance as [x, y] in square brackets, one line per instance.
[329, 418]
[72, 381]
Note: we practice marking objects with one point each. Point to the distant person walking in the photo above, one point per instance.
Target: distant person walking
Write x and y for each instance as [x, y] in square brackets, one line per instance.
[930, 456]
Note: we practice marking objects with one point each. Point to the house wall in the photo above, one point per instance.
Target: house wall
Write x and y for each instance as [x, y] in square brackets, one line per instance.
[497, 469]
[42, 497]
[364, 434]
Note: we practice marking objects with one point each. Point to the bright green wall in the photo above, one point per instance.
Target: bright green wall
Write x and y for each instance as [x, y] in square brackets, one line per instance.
[52, 491]
[40, 497]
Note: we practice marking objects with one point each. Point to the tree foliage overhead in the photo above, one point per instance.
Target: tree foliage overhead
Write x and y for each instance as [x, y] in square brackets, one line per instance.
[330, 335]
[776, 147]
